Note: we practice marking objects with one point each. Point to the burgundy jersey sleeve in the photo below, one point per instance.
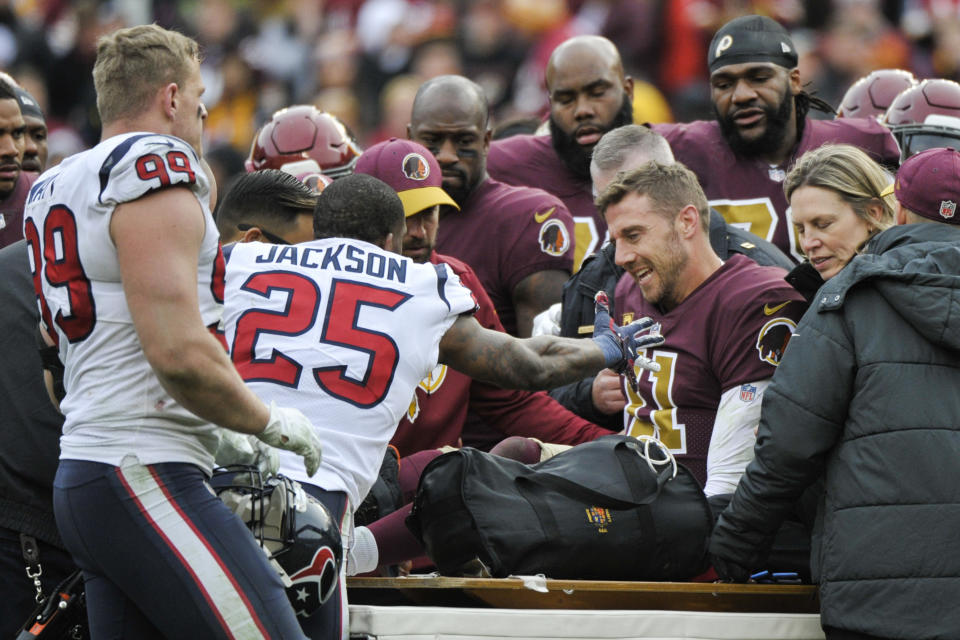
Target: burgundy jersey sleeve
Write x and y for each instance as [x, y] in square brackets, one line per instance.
[506, 234]
[531, 160]
[754, 331]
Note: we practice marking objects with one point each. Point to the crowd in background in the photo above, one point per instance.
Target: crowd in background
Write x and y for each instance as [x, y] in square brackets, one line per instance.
[363, 60]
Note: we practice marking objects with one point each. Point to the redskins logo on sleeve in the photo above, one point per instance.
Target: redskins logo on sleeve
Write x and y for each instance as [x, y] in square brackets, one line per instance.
[429, 384]
[773, 338]
[554, 239]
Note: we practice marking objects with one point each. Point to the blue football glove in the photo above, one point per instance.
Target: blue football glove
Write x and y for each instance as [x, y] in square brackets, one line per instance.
[620, 345]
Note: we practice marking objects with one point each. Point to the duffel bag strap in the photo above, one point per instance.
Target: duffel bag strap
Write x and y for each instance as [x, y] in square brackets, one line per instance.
[627, 454]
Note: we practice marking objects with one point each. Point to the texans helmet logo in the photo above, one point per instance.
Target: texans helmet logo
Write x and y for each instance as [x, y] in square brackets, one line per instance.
[314, 584]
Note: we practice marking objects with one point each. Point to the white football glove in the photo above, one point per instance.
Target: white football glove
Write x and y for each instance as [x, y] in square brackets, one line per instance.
[241, 448]
[289, 429]
[547, 323]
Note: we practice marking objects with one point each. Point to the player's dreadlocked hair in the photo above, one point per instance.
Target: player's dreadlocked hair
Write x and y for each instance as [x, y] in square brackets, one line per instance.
[804, 101]
[358, 206]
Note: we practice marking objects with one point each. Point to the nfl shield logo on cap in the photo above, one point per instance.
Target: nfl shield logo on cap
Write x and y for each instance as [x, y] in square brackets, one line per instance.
[947, 208]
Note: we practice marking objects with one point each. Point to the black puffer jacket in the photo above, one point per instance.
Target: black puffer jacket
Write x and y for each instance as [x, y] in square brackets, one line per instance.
[868, 393]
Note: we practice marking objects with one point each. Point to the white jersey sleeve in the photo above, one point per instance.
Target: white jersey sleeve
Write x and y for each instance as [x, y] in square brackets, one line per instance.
[733, 437]
[146, 162]
[115, 404]
[343, 331]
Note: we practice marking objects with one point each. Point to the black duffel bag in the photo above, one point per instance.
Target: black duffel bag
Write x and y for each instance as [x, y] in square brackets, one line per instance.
[611, 509]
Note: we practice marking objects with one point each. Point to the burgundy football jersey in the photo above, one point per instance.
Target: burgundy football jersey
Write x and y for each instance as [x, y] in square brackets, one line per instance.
[730, 331]
[531, 161]
[748, 192]
[505, 234]
[11, 209]
[438, 410]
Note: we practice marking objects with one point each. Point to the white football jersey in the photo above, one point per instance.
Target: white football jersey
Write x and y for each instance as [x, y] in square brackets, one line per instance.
[114, 403]
[343, 331]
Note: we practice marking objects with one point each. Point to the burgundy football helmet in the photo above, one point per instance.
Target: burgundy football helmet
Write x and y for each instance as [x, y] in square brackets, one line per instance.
[872, 94]
[296, 530]
[313, 141]
[925, 116]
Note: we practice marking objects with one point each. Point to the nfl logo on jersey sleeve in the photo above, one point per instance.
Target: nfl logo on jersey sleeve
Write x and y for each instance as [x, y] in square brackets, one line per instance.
[747, 392]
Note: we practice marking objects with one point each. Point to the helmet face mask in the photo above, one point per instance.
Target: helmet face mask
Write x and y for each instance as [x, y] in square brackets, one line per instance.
[304, 133]
[295, 529]
[925, 116]
[913, 140]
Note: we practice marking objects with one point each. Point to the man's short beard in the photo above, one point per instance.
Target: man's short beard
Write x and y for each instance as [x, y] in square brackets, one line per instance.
[574, 155]
[778, 119]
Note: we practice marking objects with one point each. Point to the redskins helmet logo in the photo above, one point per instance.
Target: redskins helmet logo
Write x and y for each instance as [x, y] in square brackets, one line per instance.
[415, 167]
[725, 43]
[773, 338]
[554, 239]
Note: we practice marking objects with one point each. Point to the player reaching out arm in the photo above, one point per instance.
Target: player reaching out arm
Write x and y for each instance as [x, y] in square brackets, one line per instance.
[543, 362]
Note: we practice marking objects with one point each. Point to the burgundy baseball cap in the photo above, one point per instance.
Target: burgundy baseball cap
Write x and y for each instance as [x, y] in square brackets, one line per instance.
[410, 169]
[928, 184]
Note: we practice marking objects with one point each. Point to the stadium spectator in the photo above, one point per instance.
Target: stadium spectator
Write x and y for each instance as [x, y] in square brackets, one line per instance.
[836, 207]
[589, 95]
[726, 323]
[884, 328]
[518, 240]
[146, 380]
[341, 351]
[14, 183]
[761, 128]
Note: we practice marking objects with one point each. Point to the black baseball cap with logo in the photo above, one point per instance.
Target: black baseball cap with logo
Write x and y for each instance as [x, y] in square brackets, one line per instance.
[751, 39]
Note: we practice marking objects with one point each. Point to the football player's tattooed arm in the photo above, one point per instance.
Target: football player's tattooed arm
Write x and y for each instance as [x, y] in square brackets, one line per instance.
[733, 436]
[542, 362]
[158, 239]
[534, 294]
